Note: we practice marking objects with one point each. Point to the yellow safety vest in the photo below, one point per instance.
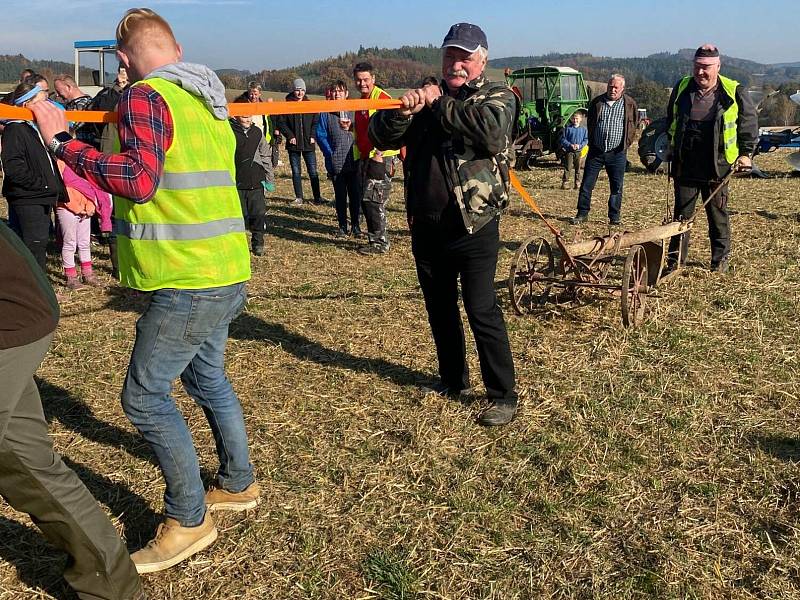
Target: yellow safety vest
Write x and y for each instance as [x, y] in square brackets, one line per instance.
[729, 116]
[191, 234]
[374, 95]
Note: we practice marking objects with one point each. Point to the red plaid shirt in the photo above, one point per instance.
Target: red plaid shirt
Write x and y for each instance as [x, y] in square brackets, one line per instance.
[145, 133]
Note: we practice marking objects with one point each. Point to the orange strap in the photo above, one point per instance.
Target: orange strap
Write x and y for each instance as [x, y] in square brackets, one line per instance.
[238, 109]
[531, 202]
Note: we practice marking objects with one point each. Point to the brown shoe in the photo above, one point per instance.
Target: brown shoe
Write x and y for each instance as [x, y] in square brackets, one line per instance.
[220, 499]
[173, 544]
[73, 283]
[91, 279]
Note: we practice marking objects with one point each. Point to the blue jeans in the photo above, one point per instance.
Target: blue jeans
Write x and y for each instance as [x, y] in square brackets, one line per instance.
[183, 333]
[310, 158]
[614, 164]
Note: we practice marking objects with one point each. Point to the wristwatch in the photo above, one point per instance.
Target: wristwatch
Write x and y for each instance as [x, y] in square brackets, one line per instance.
[59, 139]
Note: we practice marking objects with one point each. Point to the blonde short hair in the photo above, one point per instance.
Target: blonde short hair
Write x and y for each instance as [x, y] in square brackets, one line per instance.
[143, 25]
[68, 79]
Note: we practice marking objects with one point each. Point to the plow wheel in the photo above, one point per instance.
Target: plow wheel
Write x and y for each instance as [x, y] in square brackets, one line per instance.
[634, 287]
[527, 285]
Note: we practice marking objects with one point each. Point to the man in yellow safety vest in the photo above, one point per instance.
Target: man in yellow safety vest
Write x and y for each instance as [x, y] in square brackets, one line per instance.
[180, 236]
[713, 128]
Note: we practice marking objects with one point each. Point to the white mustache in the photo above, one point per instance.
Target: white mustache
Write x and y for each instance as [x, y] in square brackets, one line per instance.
[457, 73]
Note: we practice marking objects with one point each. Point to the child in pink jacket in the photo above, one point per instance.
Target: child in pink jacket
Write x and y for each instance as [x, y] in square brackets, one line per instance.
[74, 219]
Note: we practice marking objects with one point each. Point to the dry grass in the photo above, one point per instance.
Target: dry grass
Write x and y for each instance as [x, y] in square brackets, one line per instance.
[660, 462]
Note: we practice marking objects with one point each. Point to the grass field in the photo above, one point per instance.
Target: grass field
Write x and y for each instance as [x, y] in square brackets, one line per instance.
[655, 463]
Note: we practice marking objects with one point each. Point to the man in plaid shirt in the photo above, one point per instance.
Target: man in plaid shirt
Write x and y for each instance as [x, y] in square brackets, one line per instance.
[613, 121]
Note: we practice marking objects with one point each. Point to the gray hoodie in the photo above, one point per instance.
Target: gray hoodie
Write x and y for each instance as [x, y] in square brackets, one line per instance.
[199, 81]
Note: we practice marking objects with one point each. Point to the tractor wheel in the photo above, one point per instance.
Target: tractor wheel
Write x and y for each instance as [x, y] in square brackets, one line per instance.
[652, 145]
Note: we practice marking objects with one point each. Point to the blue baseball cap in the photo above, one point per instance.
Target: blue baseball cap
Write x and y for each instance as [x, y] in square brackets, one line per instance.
[465, 36]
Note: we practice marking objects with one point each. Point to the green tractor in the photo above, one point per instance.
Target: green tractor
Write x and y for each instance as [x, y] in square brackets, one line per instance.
[550, 95]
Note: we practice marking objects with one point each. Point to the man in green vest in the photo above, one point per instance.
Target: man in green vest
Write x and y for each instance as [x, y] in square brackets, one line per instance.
[713, 129]
[375, 167]
[181, 237]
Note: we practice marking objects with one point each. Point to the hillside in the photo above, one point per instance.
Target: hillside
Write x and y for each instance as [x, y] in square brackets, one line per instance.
[10, 67]
[663, 68]
[405, 66]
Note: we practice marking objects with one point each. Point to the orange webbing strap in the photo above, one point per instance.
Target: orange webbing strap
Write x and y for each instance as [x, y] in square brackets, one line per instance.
[235, 110]
[531, 202]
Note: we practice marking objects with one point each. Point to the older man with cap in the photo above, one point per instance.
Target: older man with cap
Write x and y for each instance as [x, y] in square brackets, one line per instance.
[459, 150]
[713, 128]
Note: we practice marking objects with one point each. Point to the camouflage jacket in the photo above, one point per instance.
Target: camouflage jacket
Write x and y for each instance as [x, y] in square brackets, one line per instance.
[478, 128]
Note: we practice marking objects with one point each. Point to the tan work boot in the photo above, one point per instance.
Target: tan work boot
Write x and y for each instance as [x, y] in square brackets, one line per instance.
[220, 499]
[173, 544]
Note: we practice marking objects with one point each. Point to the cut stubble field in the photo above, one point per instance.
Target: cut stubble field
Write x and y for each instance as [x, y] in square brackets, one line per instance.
[660, 462]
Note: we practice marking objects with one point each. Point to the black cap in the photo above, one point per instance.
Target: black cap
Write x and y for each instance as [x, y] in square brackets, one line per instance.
[707, 51]
[465, 36]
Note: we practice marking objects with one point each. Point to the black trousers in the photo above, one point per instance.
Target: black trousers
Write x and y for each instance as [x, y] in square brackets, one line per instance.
[254, 211]
[719, 231]
[34, 223]
[443, 258]
[345, 187]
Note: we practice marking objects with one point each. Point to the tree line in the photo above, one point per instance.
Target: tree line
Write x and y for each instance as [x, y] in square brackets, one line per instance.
[12, 65]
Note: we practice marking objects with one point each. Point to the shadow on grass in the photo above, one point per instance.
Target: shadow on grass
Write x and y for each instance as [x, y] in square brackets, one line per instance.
[39, 566]
[134, 512]
[346, 295]
[301, 228]
[779, 446]
[73, 413]
[250, 327]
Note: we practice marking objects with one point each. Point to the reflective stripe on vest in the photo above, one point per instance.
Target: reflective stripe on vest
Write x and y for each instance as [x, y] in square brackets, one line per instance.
[191, 234]
[729, 116]
[165, 231]
[202, 179]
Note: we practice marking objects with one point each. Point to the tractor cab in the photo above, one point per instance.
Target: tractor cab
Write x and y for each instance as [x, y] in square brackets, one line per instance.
[549, 96]
[99, 56]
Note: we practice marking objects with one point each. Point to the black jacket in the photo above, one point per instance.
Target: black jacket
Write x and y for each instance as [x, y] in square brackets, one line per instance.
[31, 176]
[300, 127]
[249, 174]
[746, 125]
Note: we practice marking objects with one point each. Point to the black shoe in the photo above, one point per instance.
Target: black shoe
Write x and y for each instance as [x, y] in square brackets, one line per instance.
[342, 233]
[357, 234]
[372, 250]
[579, 218]
[442, 389]
[498, 413]
[258, 250]
[720, 266]
[616, 221]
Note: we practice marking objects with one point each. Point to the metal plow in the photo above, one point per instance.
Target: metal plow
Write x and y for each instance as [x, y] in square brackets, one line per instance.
[628, 265]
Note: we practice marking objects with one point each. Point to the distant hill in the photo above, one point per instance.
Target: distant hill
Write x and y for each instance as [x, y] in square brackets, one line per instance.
[405, 66]
[11, 66]
[394, 68]
[664, 68]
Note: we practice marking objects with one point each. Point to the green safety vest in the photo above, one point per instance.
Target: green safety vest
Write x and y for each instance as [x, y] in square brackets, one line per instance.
[191, 234]
[374, 95]
[729, 116]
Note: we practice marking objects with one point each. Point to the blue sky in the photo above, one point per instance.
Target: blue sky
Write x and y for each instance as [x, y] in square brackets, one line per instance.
[256, 34]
